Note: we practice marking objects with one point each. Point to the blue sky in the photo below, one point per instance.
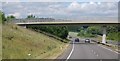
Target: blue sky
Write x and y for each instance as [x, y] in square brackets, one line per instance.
[63, 10]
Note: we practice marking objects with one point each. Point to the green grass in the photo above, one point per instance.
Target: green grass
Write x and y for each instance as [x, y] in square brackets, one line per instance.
[0, 41]
[18, 42]
[0, 35]
[0, 17]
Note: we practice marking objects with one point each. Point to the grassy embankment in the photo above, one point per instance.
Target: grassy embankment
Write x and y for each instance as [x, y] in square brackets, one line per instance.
[20, 43]
[0, 36]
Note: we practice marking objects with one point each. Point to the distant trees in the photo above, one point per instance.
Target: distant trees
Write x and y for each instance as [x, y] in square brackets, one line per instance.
[96, 30]
[60, 31]
[113, 32]
[10, 17]
[74, 28]
[30, 16]
[91, 31]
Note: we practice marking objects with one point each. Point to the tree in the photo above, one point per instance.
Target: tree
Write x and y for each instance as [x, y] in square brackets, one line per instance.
[60, 31]
[30, 16]
[10, 17]
[93, 30]
[113, 33]
[0, 17]
[89, 31]
[3, 17]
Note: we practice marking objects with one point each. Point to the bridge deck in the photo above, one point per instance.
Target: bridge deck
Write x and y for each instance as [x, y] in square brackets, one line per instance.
[68, 23]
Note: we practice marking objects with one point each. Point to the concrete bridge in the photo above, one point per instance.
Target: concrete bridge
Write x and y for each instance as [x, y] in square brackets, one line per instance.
[103, 24]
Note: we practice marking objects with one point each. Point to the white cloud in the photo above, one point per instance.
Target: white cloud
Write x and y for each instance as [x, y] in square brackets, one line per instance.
[69, 10]
[20, 6]
[74, 5]
[93, 8]
[29, 13]
[59, 0]
[83, 7]
[98, 3]
[91, 2]
[11, 1]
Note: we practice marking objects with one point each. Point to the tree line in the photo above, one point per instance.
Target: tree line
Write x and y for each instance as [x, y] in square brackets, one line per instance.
[113, 31]
[60, 31]
[91, 31]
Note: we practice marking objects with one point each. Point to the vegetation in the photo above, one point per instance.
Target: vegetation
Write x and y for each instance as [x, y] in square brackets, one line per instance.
[10, 17]
[90, 31]
[113, 32]
[20, 43]
[30, 16]
[74, 28]
[60, 31]
[2, 17]
[0, 35]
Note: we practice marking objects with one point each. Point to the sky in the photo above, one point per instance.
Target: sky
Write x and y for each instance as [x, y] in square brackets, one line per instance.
[73, 10]
[59, 0]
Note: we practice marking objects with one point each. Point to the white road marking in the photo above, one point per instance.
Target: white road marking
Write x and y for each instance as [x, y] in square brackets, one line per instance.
[100, 60]
[92, 50]
[96, 54]
[109, 49]
[70, 52]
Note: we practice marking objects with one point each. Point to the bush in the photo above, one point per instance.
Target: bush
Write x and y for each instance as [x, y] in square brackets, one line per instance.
[114, 36]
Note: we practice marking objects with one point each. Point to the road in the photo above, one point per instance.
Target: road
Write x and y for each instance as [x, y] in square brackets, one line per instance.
[81, 50]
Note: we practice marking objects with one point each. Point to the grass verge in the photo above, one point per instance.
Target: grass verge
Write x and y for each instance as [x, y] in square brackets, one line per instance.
[20, 43]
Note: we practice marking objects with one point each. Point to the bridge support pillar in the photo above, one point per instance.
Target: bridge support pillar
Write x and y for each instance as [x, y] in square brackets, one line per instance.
[24, 26]
[104, 35]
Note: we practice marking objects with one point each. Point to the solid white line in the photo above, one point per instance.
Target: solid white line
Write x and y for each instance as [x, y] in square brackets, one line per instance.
[94, 52]
[97, 54]
[70, 52]
[109, 49]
